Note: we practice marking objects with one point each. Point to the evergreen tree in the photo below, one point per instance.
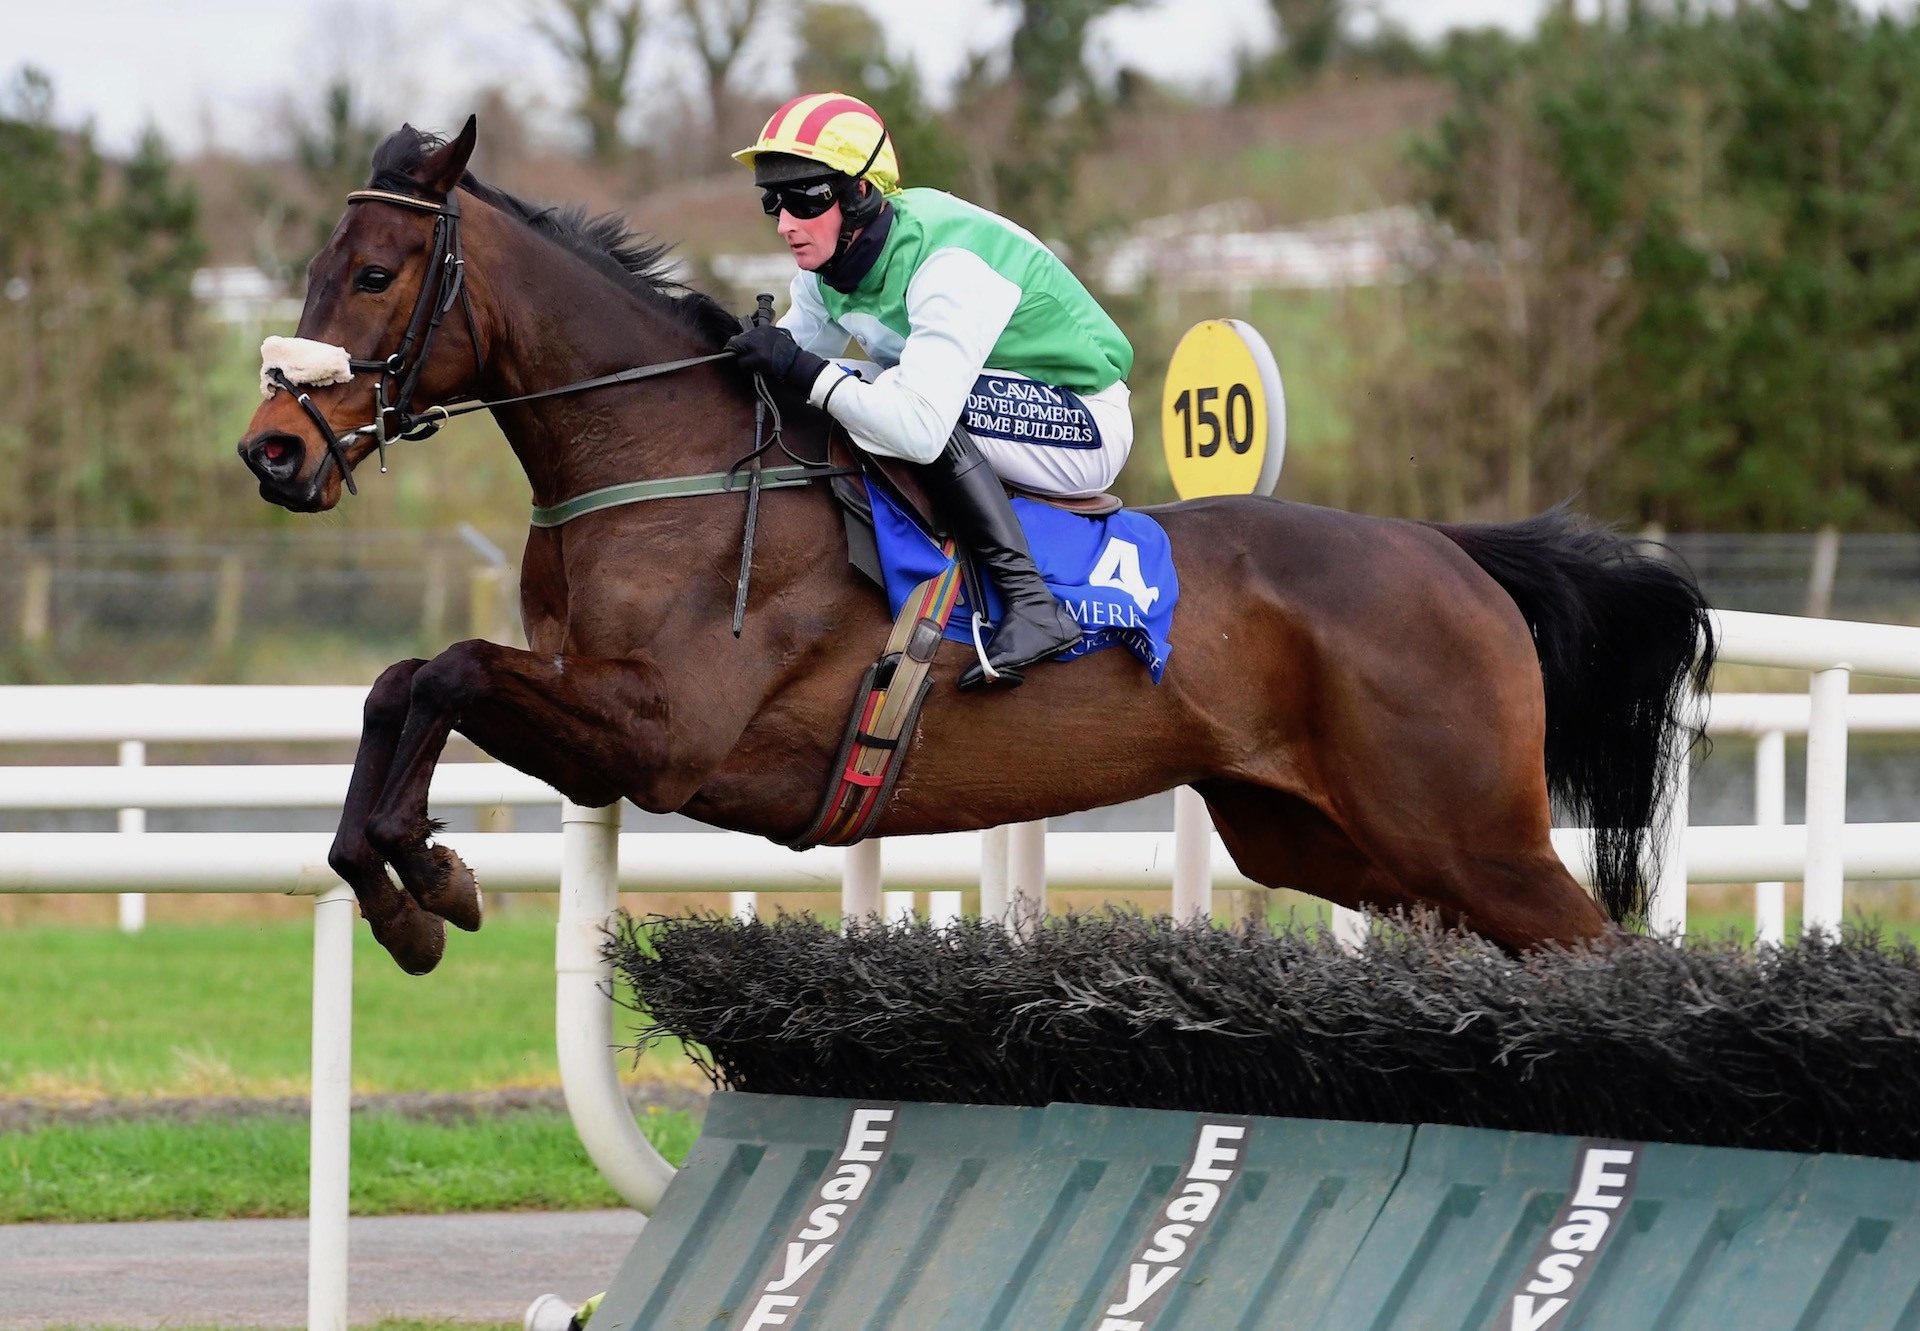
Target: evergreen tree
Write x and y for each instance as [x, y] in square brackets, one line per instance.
[101, 420]
[1693, 295]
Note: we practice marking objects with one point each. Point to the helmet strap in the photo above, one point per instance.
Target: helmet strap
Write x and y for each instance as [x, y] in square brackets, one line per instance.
[856, 210]
[855, 256]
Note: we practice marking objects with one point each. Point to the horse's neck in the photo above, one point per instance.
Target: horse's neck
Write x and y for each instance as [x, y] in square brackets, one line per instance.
[578, 325]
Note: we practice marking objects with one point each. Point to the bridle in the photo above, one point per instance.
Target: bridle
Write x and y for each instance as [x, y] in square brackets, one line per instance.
[399, 375]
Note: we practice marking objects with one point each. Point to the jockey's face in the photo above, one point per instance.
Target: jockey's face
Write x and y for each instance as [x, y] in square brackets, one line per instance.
[812, 239]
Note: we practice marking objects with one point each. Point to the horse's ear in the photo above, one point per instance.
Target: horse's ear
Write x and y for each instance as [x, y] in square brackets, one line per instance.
[442, 169]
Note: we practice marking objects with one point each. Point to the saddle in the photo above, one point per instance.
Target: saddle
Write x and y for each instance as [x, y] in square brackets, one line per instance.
[903, 486]
[887, 702]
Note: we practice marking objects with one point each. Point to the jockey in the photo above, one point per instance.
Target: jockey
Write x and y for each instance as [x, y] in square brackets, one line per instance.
[989, 359]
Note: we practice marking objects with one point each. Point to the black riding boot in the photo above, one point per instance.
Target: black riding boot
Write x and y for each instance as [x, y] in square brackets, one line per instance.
[1033, 625]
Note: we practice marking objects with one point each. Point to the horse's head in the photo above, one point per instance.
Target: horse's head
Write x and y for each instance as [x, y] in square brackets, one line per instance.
[387, 329]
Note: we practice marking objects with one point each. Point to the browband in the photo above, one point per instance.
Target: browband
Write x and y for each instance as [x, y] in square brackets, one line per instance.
[390, 196]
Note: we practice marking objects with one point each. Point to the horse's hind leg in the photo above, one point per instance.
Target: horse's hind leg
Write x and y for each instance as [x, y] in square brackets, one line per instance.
[1518, 898]
[414, 938]
[1461, 824]
[1280, 840]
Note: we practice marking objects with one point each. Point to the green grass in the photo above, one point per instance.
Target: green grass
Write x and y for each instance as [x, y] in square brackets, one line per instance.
[256, 1166]
[225, 1009]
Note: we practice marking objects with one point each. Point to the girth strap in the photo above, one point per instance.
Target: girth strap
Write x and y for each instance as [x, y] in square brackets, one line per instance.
[885, 710]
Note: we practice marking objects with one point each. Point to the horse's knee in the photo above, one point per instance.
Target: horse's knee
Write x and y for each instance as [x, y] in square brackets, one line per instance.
[352, 858]
[391, 694]
[454, 678]
[394, 832]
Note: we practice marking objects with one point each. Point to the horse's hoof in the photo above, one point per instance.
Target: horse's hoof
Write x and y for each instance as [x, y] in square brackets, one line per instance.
[451, 891]
[413, 938]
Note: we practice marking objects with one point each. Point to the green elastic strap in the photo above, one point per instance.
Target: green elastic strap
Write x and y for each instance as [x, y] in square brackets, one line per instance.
[672, 487]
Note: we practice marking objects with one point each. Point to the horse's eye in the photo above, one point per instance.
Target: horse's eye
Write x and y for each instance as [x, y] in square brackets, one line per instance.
[372, 279]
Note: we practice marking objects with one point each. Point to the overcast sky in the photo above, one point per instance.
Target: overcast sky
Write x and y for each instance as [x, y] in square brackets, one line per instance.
[215, 69]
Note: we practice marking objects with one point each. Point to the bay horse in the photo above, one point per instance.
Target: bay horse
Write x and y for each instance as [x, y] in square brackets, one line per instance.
[1377, 711]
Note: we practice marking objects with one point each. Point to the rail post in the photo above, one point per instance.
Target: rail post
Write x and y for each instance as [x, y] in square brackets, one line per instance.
[1770, 810]
[860, 883]
[1027, 874]
[1667, 902]
[583, 1012]
[1192, 857]
[1826, 802]
[993, 874]
[330, 1124]
[229, 600]
[36, 603]
[132, 822]
[1350, 928]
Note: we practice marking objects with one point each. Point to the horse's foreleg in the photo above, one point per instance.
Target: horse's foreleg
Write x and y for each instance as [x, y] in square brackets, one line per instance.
[591, 728]
[413, 937]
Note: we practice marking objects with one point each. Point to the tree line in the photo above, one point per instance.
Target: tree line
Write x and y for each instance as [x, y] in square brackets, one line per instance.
[1671, 270]
[101, 404]
[1682, 279]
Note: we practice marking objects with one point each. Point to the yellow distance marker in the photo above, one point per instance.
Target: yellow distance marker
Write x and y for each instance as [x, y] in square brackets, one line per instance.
[1223, 417]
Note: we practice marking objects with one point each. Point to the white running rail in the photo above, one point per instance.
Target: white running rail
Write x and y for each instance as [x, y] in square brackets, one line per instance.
[590, 860]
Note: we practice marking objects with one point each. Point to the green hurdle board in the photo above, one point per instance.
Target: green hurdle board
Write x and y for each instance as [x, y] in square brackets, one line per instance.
[854, 1216]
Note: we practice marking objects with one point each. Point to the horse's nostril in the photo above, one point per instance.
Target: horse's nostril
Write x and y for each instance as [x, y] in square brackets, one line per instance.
[274, 457]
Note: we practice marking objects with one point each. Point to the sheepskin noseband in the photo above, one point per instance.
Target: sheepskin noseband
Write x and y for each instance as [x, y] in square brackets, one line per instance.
[305, 362]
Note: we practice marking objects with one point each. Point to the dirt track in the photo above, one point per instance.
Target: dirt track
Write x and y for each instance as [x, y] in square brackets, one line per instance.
[22, 1114]
[253, 1273]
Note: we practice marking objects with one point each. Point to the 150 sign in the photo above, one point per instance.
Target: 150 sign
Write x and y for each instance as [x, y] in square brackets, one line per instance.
[1223, 416]
[1198, 404]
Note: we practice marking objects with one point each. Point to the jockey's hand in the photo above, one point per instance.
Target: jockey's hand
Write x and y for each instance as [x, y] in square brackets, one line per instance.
[770, 350]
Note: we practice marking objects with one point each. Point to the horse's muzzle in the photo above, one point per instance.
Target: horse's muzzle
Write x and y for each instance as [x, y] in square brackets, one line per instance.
[275, 457]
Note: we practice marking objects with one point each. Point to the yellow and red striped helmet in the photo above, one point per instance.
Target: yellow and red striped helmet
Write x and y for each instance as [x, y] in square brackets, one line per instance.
[840, 132]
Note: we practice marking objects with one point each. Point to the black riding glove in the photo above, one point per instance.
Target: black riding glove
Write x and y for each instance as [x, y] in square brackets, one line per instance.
[770, 350]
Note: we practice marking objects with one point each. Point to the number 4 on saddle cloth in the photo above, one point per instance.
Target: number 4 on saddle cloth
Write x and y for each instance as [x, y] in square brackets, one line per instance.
[1114, 572]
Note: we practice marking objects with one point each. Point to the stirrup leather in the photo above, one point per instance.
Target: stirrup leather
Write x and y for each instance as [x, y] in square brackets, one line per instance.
[886, 706]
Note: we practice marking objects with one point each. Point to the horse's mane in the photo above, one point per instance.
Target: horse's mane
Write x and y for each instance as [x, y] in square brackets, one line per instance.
[640, 264]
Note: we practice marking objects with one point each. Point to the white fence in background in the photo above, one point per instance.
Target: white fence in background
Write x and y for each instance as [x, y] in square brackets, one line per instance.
[589, 860]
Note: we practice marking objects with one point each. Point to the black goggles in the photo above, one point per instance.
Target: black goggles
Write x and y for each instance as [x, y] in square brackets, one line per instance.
[805, 201]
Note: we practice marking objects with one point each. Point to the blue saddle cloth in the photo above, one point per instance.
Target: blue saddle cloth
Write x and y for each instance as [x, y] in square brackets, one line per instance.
[1114, 573]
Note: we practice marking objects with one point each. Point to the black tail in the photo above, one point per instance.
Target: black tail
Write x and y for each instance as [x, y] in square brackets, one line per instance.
[1620, 636]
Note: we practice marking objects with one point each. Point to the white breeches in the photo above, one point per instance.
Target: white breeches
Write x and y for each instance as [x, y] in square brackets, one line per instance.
[1038, 437]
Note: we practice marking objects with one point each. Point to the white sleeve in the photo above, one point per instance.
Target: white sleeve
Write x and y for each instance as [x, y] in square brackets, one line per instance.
[807, 318]
[957, 307]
